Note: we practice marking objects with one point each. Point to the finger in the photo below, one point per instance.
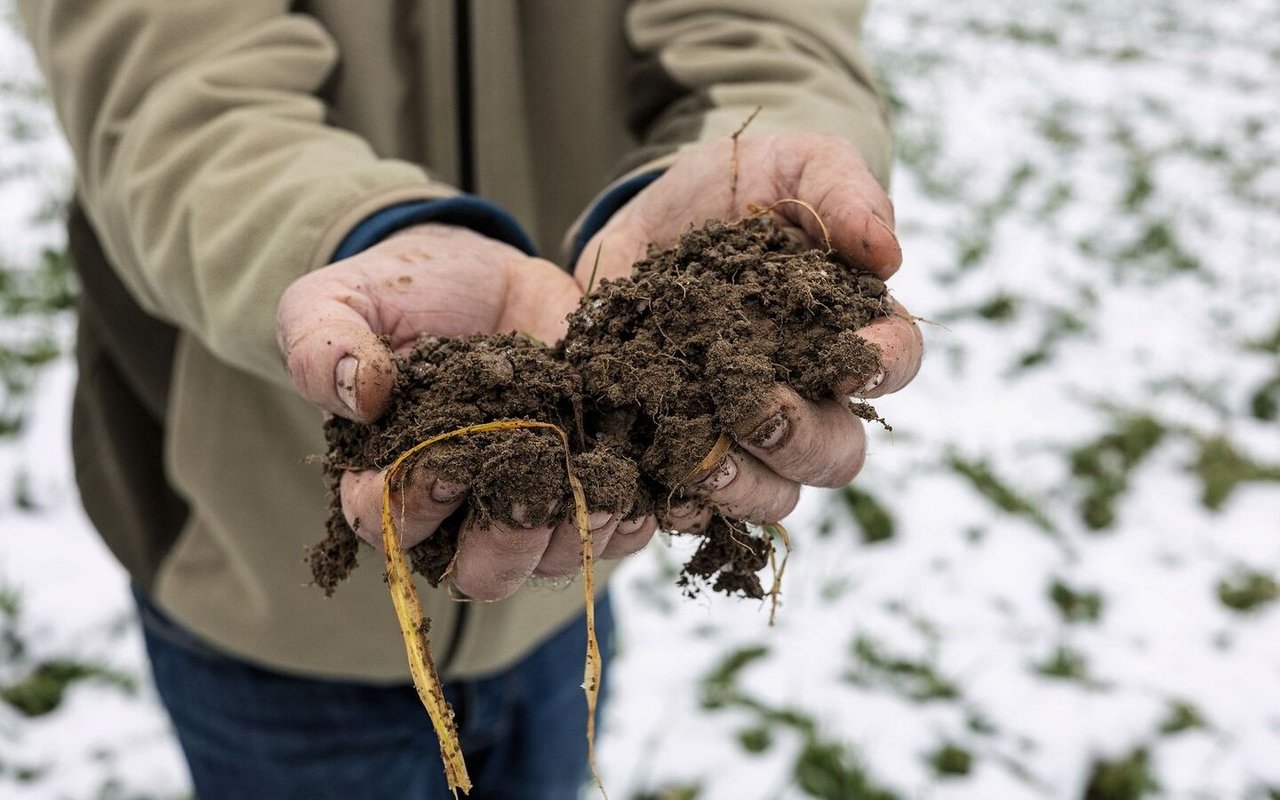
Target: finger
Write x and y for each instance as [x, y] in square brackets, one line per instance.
[685, 516]
[815, 443]
[418, 508]
[630, 537]
[901, 347]
[857, 214]
[611, 253]
[494, 562]
[563, 555]
[540, 298]
[742, 487]
[334, 358]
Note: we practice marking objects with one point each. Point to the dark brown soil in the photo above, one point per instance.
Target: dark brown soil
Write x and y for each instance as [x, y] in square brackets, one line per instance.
[447, 384]
[654, 369]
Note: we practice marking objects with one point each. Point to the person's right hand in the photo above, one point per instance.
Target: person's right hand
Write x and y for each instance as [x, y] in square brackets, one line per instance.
[447, 281]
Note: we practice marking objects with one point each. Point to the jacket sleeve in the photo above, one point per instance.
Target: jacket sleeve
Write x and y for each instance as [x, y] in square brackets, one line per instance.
[704, 66]
[204, 159]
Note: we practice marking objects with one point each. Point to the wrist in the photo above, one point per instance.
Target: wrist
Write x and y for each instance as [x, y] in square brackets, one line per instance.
[463, 211]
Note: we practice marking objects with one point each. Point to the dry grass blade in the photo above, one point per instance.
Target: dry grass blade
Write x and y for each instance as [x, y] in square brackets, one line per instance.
[826, 232]
[413, 623]
[595, 266]
[712, 459]
[733, 180]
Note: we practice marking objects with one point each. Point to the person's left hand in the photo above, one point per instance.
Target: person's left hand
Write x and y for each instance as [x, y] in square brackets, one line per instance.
[791, 441]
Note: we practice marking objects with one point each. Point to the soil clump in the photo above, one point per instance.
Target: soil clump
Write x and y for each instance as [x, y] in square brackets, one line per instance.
[655, 369]
[516, 477]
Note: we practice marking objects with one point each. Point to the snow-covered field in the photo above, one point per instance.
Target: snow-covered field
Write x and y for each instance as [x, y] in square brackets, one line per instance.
[1057, 578]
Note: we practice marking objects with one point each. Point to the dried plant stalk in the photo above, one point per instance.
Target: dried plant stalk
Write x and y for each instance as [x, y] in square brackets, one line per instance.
[414, 624]
[826, 232]
[710, 461]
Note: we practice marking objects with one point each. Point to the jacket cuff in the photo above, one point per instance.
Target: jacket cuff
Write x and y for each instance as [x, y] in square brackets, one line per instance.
[605, 207]
[467, 211]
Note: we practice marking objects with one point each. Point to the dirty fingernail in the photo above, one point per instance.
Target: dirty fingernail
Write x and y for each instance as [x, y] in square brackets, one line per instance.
[446, 491]
[628, 526]
[682, 509]
[345, 381]
[772, 433]
[521, 515]
[600, 519]
[722, 476]
[871, 384]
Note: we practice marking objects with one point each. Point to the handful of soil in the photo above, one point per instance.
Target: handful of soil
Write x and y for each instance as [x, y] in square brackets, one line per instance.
[516, 476]
[656, 369]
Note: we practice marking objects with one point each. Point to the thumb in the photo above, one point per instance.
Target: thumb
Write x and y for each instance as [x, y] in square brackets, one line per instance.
[334, 358]
[850, 210]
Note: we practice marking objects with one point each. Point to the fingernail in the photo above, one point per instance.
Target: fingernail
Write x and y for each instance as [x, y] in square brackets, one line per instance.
[722, 476]
[600, 519]
[446, 491]
[871, 384]
[772, 433]
[345, 381]
[684, 509]
[521, 516]
[885, 225]
[628, 526]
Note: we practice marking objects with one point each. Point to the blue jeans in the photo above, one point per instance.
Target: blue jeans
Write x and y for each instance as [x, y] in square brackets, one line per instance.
[249, 733]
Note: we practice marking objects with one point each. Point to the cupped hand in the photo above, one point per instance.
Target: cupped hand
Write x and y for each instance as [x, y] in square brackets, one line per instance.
[791, 441]
[334, 325]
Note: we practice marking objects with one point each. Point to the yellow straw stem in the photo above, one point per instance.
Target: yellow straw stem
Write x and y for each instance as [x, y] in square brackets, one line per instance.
[709, 462]
[413, 623]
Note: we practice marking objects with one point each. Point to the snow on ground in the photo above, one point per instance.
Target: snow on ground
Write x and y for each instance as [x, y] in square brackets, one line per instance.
[1056, 577]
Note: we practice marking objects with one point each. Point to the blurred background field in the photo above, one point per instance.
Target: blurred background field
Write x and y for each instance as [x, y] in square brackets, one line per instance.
[1056, 578]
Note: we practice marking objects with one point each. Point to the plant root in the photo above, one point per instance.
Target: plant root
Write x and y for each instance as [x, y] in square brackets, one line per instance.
[777, 532]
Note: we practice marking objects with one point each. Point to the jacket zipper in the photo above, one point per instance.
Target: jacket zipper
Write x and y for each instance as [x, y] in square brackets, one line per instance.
[465, 94]
[466, 180]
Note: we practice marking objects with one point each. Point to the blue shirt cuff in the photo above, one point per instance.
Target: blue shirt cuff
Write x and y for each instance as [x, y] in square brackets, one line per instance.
[606, 207]
[467, 211]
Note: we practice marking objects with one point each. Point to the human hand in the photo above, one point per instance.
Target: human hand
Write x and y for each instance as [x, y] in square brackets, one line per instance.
[790, 441]
[446, 281]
